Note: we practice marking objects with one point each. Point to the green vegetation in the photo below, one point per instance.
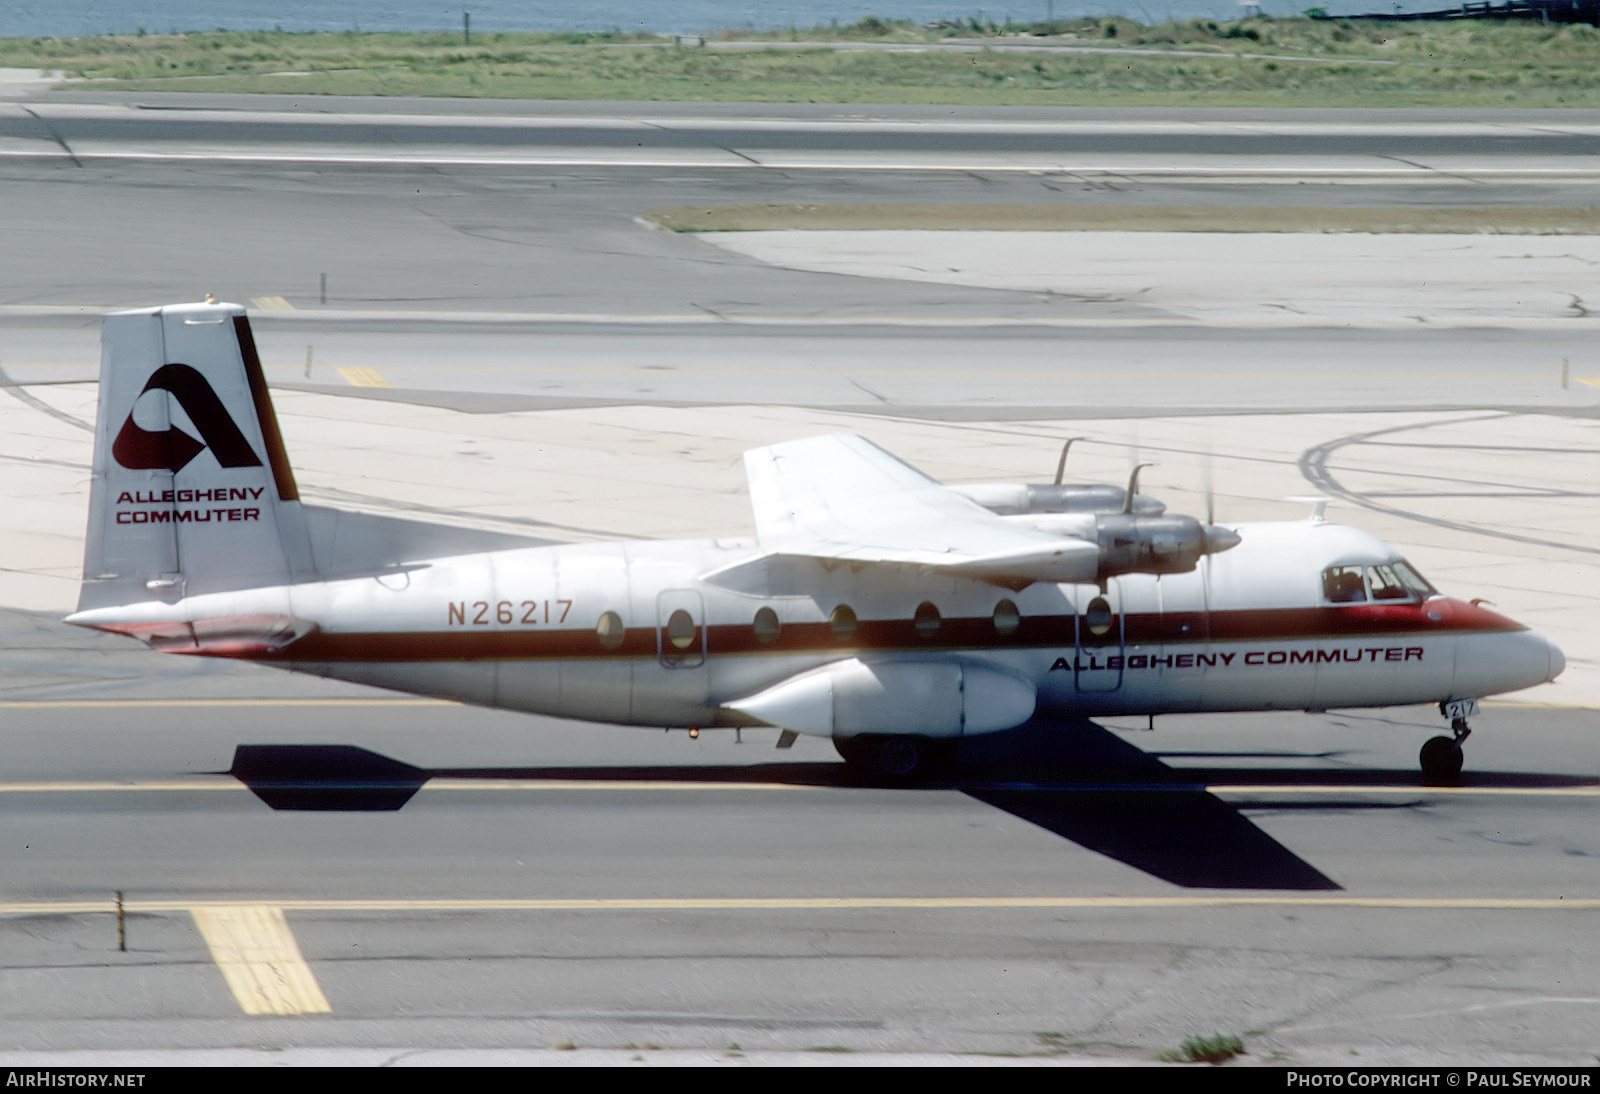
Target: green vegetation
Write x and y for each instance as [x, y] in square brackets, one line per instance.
[1299, 62]
[1208, 1050]
[1127, 218]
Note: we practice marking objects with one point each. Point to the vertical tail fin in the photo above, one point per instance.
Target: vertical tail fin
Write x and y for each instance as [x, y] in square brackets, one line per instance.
[192, 492]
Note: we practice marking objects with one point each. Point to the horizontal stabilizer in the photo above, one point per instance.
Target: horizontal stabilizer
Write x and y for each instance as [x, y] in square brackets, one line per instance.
[233, 636]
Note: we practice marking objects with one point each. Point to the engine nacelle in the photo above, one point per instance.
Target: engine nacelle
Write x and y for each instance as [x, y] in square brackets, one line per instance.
[1009, 499]
[1132, 543]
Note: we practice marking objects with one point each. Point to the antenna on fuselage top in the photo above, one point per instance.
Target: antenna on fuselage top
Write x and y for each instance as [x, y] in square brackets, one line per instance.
[1318, 503]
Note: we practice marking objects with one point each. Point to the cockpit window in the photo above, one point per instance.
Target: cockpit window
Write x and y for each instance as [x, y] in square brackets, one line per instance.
[1385, 585]
[1343, 585]
[1415, 582]
[1389, 581]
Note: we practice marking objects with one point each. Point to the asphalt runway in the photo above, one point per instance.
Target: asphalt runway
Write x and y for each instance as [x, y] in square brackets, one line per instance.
[288, 128]
[1082, 892]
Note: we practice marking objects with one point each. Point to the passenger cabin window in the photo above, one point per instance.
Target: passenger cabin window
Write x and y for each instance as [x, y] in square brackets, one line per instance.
[680, 630]
[1098, 617]
[1006, 618]
[1343, 585]
[766, 626]
[610, 630]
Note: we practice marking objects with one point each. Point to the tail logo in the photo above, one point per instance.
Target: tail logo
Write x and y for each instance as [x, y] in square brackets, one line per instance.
[171, 449]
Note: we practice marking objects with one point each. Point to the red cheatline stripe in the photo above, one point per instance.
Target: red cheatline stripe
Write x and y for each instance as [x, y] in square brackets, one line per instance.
[1342, 625]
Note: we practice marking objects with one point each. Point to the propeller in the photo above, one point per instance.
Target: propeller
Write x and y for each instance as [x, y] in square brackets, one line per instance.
[1218, 538]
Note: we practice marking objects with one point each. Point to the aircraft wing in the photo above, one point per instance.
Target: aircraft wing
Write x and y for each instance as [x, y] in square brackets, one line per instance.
[843, 498]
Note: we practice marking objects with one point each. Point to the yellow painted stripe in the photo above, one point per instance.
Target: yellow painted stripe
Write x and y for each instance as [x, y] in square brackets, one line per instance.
[1592, 381]
[712, 904]
[271, 303]
[59, 907]
[1066, 371]
[363, 377]
[1413, 791]
[374, 378]
[607, 784]
[227, 782]
[89, 704]
[1409, 791]
[1533, 704]
[24, 704]
[770, 904]
[257, 954]
[83, 786]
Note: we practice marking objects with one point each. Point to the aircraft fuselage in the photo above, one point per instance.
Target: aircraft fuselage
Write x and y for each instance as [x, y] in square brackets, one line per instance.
[668, 633]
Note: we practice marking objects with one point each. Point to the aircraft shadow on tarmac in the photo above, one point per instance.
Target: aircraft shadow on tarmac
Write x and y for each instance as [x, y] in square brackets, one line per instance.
[1073, 778]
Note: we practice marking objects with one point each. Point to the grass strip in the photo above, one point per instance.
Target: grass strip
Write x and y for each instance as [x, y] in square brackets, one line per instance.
[1260, 62]
[1126, 218]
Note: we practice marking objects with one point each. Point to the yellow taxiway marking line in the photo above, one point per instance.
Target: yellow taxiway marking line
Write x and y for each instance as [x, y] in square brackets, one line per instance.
[768, 904]
[607, 784]
[271, 303]
[89, 704]
[363, 377]
[227, 782]
[1064, 372]
[257, 954]
[96, 786]
[371, 377]
[1411, 791]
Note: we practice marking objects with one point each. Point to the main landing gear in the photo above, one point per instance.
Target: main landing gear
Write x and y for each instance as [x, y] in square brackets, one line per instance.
[895, 759]
[1441, 757]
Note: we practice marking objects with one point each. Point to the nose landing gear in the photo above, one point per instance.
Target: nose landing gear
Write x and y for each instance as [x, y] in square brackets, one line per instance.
[1441, 757]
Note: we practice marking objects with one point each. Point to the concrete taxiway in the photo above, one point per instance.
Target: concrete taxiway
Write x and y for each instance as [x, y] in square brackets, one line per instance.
[503, 345]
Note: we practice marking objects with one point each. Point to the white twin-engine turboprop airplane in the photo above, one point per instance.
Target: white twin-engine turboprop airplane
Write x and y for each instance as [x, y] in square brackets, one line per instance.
[874, 606]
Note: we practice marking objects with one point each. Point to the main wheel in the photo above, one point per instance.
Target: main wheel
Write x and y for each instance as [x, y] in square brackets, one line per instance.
[1441, 759]
[896, 760]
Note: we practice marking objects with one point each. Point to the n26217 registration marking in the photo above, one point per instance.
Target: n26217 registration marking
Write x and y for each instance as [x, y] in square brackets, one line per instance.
[507, 613]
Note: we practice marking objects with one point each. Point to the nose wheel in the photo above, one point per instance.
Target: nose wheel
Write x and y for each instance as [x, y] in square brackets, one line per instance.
[1441, 757]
